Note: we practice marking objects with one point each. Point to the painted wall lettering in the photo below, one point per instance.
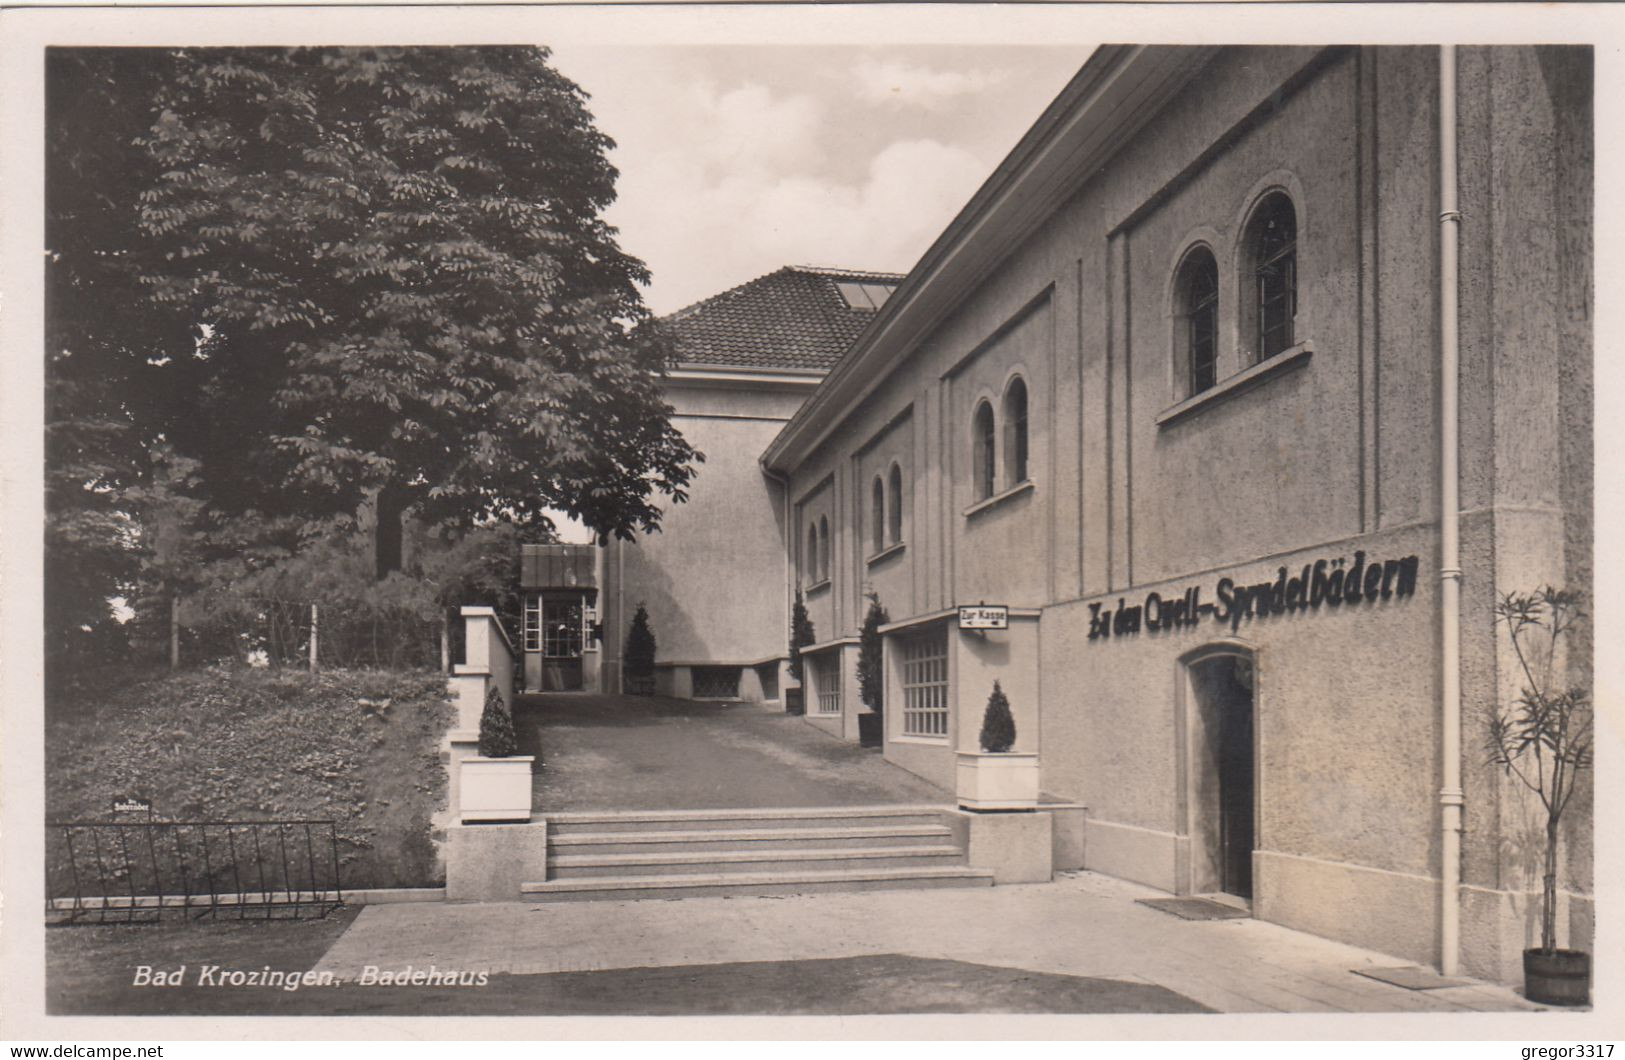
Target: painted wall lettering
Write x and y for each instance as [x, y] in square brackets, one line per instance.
[1326, 582]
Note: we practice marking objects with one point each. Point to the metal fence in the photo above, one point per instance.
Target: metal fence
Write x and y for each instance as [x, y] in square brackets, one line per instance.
[143, 871]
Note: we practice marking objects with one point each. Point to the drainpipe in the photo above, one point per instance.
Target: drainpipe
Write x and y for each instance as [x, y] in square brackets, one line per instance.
[1450, 794]
[783, 479]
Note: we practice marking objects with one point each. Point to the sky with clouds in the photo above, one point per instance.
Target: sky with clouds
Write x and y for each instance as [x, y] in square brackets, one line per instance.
[735, 159]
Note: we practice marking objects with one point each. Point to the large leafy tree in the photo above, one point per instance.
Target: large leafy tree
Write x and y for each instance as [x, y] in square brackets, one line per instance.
[337, 276]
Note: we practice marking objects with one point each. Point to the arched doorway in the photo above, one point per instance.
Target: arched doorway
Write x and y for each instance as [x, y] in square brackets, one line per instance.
[1220, 769]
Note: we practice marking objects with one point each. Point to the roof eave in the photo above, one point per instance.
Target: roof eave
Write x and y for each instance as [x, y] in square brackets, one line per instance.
[1100, 110]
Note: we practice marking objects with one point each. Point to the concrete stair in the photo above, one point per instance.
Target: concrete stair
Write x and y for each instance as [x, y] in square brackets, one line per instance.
[694, 853]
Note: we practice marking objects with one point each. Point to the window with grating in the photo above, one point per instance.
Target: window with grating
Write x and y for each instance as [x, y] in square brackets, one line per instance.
[716, 682]
[925, 683]
[827, 679]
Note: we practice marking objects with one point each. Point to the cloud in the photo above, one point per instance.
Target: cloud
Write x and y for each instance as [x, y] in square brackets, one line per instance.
[904, 84]
[706, 230]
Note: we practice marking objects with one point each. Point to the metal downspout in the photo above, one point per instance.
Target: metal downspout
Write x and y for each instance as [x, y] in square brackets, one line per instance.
[783, 479]
[1450, 793]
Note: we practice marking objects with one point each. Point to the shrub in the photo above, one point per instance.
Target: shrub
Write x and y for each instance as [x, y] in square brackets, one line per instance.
[497, 739]
[998, 726]
[640, 646]
[1545, 738]
[871, 672]
[801, 634]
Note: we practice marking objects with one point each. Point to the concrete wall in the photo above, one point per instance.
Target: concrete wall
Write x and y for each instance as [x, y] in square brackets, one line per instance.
[1333, 451]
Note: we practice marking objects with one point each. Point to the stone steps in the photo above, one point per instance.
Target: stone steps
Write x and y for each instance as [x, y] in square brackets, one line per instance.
[573, 866]
[751, 839]
[727, 819]
[725, 884]
[693, 853]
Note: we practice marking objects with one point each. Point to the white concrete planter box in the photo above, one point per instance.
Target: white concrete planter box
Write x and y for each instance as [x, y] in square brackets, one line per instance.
[495, 789]
[1007, 781]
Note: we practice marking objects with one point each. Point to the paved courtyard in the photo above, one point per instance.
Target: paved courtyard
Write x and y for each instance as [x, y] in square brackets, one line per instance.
[610, 752]
[1080, 925]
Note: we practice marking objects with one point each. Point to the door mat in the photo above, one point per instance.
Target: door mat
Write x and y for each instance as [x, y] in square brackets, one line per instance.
[1196, 908]
[1411, 977]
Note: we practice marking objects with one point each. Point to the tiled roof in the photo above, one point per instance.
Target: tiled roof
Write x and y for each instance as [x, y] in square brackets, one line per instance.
[796, 317]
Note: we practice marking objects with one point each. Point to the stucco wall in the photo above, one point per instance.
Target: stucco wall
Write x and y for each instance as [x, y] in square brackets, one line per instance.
[713, 578]
[1338, 454]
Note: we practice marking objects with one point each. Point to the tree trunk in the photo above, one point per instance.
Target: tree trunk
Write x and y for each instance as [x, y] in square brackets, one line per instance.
[388, 507]
[174, 631]
[1548, 905]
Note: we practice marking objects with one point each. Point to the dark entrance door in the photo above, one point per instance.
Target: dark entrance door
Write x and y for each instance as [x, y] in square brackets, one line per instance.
[1235, 740]
[1221, 773]
[561, 642]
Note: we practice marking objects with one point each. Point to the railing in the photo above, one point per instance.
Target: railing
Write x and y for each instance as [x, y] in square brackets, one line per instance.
[139, 871]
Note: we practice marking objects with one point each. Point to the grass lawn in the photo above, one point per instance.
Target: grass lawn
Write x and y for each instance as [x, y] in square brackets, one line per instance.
[359, 747]
[90, 972]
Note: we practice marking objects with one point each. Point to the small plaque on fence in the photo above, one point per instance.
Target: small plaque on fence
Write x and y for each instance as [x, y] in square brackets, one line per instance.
[131, 804]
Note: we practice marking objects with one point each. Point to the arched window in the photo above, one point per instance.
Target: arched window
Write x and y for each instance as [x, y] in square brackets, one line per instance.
[809, 562]
[895, 513]
[823, 549]
[1015, 433]
[982, 450]
[877, 515]
[1272, 245]
[1198, 294]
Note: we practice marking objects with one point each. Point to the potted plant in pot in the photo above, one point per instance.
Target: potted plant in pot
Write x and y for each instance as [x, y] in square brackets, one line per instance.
[871, 675]
[640, 655]
[998, 778]
[801, 635]
[495, 784]
[1545, 740]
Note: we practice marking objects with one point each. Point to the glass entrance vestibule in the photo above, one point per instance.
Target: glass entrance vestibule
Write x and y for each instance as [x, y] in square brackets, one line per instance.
[561, 630]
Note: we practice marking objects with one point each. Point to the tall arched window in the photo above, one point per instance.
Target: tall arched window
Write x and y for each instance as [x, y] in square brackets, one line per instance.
[823, 548]
[982, 450]
[1272, 243]
[809, 562]
[1198, 294]
[877, 515]
[895, 513]
[1015, 432]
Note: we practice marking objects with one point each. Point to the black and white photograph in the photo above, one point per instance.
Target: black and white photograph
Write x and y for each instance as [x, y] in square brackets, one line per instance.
[815, 519]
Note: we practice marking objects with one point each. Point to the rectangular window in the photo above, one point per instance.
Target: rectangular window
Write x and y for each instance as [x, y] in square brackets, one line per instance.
[827, 679]
[925, 683]
[561, 627]
[533, 622]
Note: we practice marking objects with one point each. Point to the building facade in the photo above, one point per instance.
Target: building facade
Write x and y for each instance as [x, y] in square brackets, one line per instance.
[1175, 389]
[713, 580]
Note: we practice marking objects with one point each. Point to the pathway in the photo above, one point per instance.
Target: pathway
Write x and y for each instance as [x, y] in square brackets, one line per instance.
[612, 752]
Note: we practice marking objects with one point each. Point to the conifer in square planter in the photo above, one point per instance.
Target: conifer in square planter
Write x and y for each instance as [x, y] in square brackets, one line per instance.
[871, 675]
[495, 784]
[1545, 740]
[801, 635]
[640, 655]
[998, 778]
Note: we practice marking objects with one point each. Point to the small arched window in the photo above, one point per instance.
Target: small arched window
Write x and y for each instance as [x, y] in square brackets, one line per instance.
[823, 548]
[1015, 433]
[809, 562]
[894, 514]
[877, 515]
[982, 450]
[1198, 293]
[1272, 242]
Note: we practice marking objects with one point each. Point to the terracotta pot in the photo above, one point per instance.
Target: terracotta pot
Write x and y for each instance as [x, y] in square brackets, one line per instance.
[1557, 977]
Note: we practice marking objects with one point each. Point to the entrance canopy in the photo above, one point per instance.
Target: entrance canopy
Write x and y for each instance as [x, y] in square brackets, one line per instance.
[558, 567]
